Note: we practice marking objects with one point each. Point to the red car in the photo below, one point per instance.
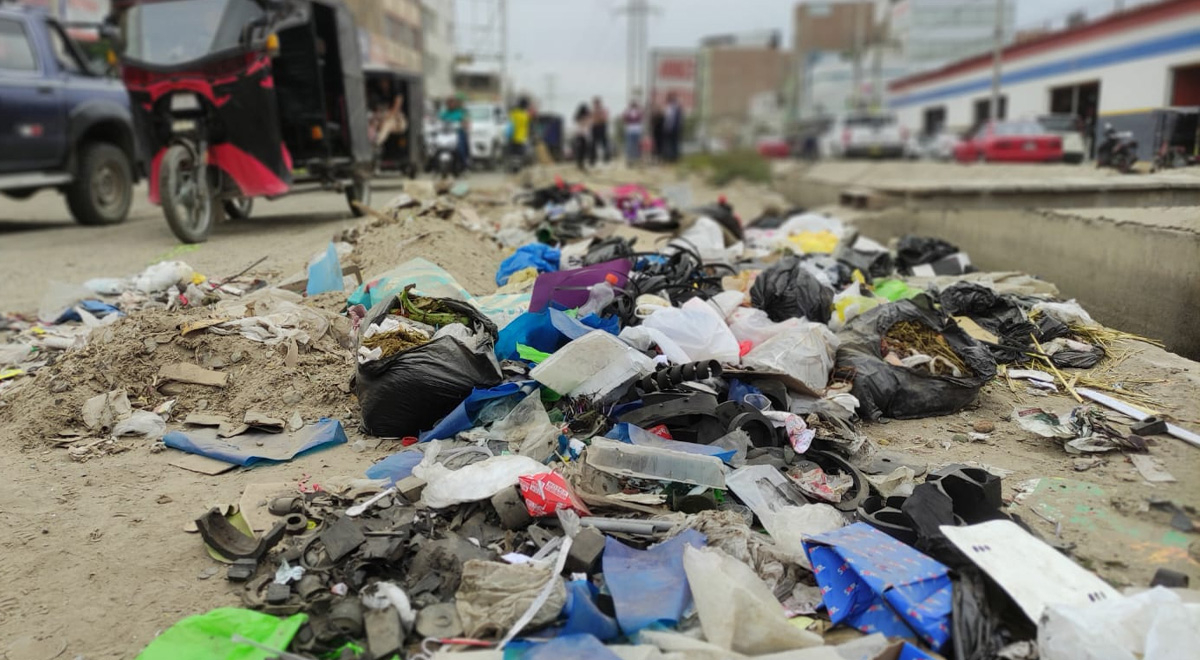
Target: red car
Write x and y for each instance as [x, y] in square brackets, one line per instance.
[1010, 142]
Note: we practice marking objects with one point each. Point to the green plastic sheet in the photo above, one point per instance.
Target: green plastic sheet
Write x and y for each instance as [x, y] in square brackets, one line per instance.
[209, 636]
[895, 290]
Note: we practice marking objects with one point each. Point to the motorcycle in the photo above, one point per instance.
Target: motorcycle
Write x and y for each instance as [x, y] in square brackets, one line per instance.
[444, 156]
[1118, 150]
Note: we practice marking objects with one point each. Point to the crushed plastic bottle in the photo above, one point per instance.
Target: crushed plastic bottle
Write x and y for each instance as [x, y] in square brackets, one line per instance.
[600, 296]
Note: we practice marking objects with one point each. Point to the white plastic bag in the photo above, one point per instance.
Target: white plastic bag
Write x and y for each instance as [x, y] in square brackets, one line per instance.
[698, 330]
[804, 351]
[737, 610]
[528, 429]
[477, 481]
[162, 276]
[1070, 312]
[143, 423]
[1153, 625]
[755, 326]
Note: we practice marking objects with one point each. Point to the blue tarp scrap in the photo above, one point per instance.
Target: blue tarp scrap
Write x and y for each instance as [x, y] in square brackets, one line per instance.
[534, 255]
[649, 587]
[325, 274]
[875, 583]
[255, 447]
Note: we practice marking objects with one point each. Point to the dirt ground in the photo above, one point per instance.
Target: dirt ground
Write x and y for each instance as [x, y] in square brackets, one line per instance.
[97, 562]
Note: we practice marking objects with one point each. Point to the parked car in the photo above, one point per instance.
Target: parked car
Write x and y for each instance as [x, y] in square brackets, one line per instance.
[861, 135]
[936, 146]
[1010, 141]
[62, 124]
[489, 127]
[1067, 128]
[773, 147]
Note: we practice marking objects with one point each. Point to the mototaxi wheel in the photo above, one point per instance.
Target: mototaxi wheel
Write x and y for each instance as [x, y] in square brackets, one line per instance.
[358, 192]
[239, 208]
[183, 192]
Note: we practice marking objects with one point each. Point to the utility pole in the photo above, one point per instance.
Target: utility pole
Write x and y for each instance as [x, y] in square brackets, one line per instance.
[859, 38]
[503, 53]
[637, 13]
[997, 48]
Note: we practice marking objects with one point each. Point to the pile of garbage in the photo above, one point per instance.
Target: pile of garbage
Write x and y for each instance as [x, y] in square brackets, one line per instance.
[660, 454]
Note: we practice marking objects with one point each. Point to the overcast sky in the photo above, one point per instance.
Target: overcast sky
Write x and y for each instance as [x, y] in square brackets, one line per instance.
[582, 42]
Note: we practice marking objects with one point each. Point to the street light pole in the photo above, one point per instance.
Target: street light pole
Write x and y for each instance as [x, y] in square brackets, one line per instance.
[504, 53]
[997, 48]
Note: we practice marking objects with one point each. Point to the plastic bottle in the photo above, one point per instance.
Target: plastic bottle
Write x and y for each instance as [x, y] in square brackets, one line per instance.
[599, 297]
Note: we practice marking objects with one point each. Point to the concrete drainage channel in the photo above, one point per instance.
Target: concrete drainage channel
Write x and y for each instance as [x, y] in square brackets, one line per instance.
[1135, 268]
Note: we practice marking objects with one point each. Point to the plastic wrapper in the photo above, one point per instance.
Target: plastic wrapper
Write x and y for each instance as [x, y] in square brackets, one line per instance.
[474, 482]
[738, 611]
[787, 290]
[887, 390]
[546, 493]
[849, 304]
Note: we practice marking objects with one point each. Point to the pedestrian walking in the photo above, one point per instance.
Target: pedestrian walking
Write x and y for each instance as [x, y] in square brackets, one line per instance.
[631, 121]
[581, 136]
[658, 132]
[672, 128]
[599, 132]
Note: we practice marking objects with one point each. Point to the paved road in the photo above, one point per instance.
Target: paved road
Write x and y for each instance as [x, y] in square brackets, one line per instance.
[39, 242]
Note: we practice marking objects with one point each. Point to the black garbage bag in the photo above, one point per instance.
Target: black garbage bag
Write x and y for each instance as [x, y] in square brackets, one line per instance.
[773, 218]
[916, 250]
[875, 265]
[984, 617]
[1078, 359]
[887, 390]
[1001, 315]
[786, 290]
[406, 393]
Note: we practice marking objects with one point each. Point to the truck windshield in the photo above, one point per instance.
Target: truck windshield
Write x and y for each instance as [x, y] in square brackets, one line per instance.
[180, 31]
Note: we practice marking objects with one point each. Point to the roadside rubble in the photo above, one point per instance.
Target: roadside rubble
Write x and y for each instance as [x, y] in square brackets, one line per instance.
[629, 450]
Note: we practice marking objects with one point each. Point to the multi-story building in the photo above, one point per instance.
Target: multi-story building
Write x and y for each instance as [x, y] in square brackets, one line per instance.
[390, 32]
[826, 34]
[437, 23]
[733, 71]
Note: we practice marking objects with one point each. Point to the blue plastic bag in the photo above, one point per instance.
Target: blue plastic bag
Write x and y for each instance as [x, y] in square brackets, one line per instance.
[877, 584]
[535, 255]
[569, 646]
[548, 331]
[649, 586]
[397, 466]
[325, 274]
[466, 415]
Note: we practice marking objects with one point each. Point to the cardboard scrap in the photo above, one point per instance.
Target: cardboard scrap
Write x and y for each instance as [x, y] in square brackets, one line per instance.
[204, 419]
[1151, 468]
[261, 421]
[976, 331]
[184, 372]
[186, 329]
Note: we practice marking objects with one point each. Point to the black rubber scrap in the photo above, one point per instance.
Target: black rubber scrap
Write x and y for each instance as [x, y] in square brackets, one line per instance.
[230, 542]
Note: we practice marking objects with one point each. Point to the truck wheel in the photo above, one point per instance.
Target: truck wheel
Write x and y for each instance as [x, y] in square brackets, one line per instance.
[358, 191]
[103, 188]
[183, 191]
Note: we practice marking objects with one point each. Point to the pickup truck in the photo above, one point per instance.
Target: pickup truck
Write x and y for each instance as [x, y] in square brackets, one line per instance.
[62, 125]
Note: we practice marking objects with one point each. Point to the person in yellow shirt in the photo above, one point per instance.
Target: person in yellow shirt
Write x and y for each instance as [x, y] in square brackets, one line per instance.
[519, 120]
